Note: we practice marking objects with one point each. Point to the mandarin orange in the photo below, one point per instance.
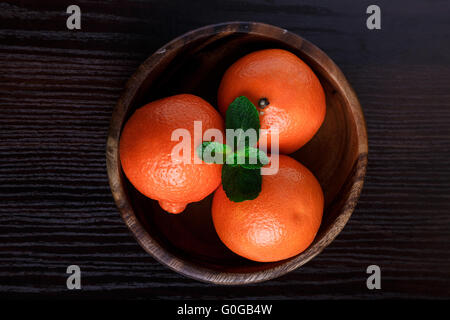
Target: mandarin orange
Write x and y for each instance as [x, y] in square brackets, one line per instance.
[280, 223]
[285, 90]
[146, 151]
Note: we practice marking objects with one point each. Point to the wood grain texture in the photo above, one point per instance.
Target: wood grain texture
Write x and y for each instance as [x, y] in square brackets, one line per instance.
[57, 92]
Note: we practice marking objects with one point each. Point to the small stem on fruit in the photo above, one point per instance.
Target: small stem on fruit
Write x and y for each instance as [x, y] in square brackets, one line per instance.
[263, 102]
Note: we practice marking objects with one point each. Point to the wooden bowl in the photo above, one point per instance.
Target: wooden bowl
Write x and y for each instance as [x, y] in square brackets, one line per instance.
[194, 63]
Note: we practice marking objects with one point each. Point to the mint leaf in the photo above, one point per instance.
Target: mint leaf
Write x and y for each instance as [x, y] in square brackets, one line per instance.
[213, 152]
[254, 158]
[241, 173]
[241, 184]
[231, 159]
[249, 158]
[242, 114]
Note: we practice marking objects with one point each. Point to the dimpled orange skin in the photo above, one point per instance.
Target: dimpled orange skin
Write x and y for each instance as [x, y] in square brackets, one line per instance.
[296, 97]
[146, 147]
[280, 223]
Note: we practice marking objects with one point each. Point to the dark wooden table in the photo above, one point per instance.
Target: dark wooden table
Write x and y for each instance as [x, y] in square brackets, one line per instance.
[57, 91]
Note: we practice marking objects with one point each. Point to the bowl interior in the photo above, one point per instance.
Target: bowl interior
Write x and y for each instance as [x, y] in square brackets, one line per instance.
[197, 67]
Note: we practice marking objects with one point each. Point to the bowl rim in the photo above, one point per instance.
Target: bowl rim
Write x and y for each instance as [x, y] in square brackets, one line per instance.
[193, 270]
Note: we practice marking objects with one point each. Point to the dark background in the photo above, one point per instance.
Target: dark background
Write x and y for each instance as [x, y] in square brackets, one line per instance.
[57, 92]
